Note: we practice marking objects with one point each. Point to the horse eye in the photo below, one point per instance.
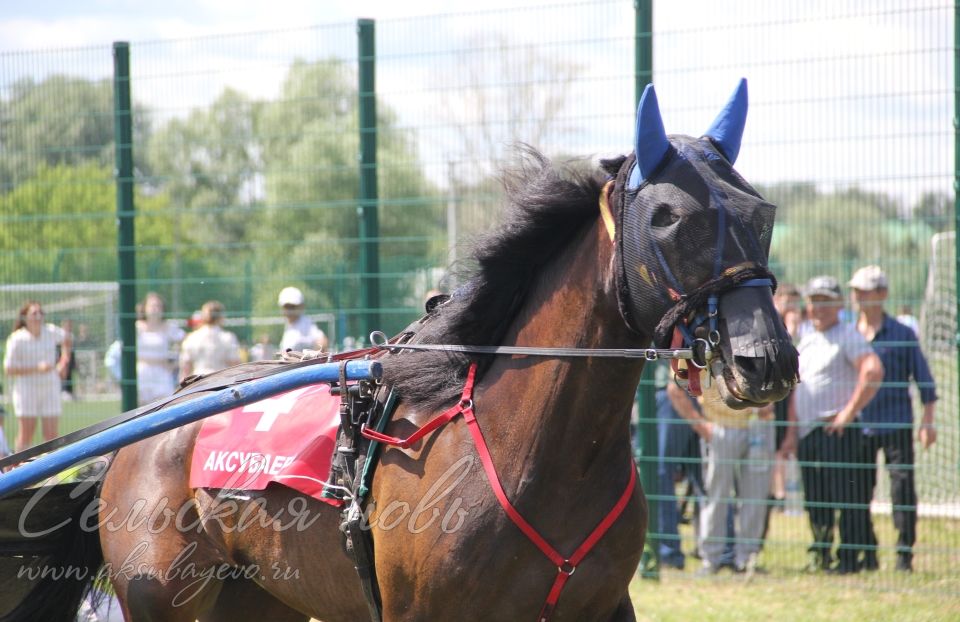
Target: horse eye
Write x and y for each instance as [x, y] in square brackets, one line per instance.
[663, 216]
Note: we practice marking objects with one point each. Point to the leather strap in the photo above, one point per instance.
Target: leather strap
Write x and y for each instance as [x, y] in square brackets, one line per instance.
[566, 566]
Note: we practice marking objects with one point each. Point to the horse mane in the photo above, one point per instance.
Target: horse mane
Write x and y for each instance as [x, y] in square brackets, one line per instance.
[546, 205]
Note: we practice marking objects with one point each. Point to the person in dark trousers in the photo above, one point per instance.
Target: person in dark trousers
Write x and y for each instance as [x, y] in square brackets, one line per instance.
[888, 418]
[839, 374]
[677, 455]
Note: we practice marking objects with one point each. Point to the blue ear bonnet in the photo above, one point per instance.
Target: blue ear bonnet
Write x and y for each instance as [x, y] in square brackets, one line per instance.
[651, 144]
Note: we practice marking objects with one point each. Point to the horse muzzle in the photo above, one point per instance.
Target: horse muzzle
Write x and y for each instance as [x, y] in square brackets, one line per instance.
[758, 363]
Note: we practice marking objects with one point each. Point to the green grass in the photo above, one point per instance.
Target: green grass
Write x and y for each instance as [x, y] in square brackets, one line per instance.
[787, 594]
[77, 414]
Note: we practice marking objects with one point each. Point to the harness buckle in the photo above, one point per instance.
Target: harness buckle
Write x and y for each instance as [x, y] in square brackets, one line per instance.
[701, 353]
[650, 354]
[567, 568]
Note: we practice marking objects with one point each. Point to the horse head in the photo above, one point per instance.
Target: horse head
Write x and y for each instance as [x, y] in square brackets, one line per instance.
[693, 239]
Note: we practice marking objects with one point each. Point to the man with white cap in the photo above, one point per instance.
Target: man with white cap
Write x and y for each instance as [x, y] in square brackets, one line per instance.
[299, 333]
[888, 418]
[839, 374]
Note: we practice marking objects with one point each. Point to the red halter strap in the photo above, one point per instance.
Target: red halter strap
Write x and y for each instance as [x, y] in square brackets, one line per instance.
[565, 565]
[691, 374]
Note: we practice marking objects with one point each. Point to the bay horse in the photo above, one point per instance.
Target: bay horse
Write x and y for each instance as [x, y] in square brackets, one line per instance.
[617, 259]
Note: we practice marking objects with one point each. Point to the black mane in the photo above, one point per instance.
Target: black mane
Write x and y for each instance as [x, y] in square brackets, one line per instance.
[545, 207]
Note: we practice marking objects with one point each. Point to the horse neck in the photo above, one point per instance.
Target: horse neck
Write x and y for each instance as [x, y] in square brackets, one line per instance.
[570, 415]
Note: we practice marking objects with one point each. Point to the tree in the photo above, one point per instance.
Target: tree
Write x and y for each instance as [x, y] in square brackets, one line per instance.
[60, 225]
[838, 232]
[59, 120]
[270, 189]
[208, 164]
[936, 209]
[311, 181]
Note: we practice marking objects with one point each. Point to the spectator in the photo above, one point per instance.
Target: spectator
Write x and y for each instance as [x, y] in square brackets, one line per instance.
[4, 447]
[888, 418]
[738, 451]
[299, 333]
[263, 350]
[839, 375]
[112, 358]
[209, 348]
[31, 361]
[787, 302]
[675, 443]
[66, 383]
[157, 343]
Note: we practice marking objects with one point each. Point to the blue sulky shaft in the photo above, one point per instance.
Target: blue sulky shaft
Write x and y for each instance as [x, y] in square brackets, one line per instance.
[179, 415]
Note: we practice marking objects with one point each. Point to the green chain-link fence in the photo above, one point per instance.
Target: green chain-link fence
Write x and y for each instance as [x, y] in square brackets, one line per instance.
[247, 178]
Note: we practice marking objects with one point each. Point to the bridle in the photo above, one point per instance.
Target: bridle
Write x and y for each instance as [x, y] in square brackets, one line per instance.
[689, 310]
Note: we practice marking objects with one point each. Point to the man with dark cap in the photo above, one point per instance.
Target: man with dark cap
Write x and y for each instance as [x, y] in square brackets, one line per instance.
[839, 374]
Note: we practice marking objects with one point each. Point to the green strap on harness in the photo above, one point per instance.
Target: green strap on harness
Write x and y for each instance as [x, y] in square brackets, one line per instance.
[370, 463]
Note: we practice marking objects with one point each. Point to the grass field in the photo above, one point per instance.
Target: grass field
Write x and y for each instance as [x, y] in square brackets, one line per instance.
[788, 594]
[77, 414]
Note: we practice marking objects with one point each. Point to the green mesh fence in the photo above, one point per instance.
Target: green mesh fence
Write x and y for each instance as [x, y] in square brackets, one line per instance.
[246, 155]
[850, 134]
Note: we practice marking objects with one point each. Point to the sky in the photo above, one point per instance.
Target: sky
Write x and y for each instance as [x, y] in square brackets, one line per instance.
[854, 91]
[69, 23]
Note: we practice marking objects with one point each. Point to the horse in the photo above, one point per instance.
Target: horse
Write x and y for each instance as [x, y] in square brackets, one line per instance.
[543, 518]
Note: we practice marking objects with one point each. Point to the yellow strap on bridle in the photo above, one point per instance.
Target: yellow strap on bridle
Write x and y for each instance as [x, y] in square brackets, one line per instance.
[605, 212]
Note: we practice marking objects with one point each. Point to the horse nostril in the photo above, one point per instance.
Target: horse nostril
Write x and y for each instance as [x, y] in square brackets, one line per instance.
[752, 367]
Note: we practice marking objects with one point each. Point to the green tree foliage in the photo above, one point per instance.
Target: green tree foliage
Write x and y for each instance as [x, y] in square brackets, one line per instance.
[836, 233]
[59, 120]
[207, 163]
[936, 209]
[60, 225]
[269, 189]
[311, 181]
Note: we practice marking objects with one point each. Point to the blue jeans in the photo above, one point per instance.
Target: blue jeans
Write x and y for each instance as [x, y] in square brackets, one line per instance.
[674, 439]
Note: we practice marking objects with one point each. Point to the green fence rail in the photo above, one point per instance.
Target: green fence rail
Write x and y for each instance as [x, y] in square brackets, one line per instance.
[273, 159]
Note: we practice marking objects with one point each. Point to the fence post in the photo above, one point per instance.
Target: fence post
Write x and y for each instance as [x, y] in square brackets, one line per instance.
[646, 399]
[956, 160]
[126, 251]
[367, 210]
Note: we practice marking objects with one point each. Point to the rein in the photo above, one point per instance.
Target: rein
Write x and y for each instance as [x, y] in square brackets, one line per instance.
[700, 357]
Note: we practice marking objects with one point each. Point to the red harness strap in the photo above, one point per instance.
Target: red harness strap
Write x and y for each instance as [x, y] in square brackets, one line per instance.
[691, 374]
[565, 565]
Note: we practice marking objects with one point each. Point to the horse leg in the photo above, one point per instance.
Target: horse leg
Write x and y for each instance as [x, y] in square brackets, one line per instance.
[242, 599]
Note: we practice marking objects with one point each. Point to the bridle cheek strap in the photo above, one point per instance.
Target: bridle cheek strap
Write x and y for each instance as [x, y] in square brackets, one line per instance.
[566, 566]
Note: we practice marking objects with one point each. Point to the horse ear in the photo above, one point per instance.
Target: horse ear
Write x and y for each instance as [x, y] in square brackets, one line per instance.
[651, 142]
[727, 128]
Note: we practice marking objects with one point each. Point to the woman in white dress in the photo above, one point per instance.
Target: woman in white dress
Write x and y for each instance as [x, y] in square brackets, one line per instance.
[157, 345]
[30, 362]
